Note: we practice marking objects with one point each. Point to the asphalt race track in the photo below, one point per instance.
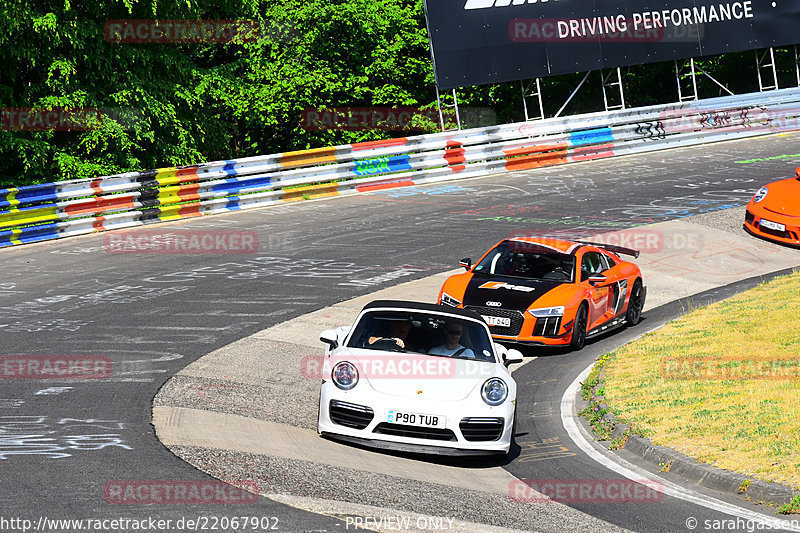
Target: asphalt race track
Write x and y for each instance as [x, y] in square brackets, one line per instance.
[63, 441]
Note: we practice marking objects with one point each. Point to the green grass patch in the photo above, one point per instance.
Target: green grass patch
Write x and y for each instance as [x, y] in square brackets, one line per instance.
[721, 384]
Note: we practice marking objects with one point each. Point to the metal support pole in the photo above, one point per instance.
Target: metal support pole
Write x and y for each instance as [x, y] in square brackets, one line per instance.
[607, 84]
[526, 94]
[707, 75]
[679, 75]
[797, 65]
[454, 105]
[760, 65]
[572, 95]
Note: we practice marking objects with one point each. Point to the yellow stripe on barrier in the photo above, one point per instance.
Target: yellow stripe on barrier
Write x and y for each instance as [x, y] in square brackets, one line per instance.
[174, 212]
[11, 196]
[310, 191]
[15, 217]
[15, 232]
[166, 197]
[169, 212]
[167, 176]
[315, 156]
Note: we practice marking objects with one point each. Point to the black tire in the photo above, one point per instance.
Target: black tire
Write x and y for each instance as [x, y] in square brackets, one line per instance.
[634, 314]
[512, 441]
[579, 328]
[319, 411]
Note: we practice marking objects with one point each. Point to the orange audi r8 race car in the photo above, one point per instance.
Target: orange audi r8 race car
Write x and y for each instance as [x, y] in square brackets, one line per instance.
[774, 212]
[549, 292]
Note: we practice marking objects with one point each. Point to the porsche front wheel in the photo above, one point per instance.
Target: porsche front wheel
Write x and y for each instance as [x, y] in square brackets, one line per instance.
[579, 328]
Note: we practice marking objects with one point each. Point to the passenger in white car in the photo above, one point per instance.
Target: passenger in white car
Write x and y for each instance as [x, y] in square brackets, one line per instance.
[452, 345]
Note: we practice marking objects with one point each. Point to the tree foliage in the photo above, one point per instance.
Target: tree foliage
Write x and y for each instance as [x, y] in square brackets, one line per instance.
[196, 102]
[184, 103]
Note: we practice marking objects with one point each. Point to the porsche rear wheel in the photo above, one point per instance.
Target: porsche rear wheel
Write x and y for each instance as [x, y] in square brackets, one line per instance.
[579, 328]
[634, 313]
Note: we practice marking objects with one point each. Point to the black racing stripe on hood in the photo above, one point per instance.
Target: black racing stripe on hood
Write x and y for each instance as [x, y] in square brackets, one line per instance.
[509, 298]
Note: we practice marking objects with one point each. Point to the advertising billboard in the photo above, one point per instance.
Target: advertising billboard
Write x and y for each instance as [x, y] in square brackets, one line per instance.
[476, 42]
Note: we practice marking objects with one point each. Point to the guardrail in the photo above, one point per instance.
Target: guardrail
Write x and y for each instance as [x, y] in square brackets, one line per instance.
[54, 210]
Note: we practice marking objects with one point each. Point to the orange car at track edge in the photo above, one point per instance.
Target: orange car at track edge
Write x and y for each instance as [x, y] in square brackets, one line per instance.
[549, 292]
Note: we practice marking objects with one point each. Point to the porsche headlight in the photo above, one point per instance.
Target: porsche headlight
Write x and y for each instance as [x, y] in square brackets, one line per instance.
[494, 391]
[546, 312]
[449, 300]
[344, 375]
[761, 194]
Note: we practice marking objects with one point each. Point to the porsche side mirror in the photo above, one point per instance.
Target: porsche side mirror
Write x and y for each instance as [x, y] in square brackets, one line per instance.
[330, 338]
[512, 357]
[594, 279]
[466, 263]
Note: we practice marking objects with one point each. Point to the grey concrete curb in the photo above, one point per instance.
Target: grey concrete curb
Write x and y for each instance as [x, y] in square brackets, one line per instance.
[708, 475]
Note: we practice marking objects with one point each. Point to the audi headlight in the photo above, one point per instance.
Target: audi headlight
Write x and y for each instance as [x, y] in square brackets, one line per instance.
[494, 391]
[449, 300]
[547, 312]
[344, 375]
[761, 194]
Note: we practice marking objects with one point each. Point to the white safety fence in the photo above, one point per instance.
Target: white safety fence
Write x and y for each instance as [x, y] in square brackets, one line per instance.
[40, 212]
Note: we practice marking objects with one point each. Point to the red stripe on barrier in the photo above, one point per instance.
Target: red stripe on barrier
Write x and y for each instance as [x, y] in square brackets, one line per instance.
[95, 185]
[382, 186]
[190, 211]
[184, 172]
[189, 192]
[101, 204]
[587, 153]
[98, 224]
[535, 156]
[454, 154]
[379, 144]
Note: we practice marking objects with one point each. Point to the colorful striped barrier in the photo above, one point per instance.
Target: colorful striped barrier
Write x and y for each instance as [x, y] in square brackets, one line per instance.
[54, 210]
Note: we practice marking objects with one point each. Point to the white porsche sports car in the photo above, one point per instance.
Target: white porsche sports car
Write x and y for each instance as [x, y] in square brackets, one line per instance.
[418, 377]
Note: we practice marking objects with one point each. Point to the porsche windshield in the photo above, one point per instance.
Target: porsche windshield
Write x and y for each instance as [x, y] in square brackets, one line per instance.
[421, 332]
[528, 260]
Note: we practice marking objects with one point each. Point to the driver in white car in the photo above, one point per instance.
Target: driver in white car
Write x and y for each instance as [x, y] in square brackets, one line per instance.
[452, 345]
[398, 331]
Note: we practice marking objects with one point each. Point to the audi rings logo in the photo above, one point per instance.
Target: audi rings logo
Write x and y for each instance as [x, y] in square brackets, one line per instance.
[493, 304]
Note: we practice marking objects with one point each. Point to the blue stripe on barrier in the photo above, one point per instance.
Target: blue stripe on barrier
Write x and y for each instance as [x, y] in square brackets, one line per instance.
[237, 184]
[32, 234]
[28, 194]
[596, 136]
[230, 167]
[381, 165]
